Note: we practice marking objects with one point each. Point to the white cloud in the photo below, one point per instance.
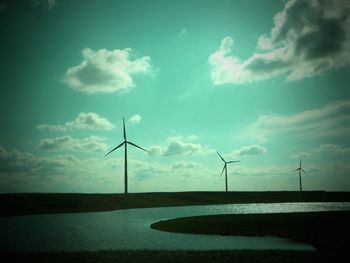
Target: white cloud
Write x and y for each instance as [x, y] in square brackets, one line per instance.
[230, 69]
[332, 120]
[68, 143]
[84, 120]
[107, 71]
[135, 119]
[250, 150]
[308, 38]
[177, 146]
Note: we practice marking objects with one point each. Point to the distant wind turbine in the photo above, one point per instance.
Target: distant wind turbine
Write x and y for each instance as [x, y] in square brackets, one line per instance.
[300, 170]
[225, 168]
[125, 143]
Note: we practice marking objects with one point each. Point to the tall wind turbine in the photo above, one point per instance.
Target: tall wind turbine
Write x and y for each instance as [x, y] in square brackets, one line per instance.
[300, 170]
[225, 168]
[125, 143]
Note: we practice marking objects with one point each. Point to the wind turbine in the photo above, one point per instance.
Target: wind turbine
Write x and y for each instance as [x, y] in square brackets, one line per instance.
[300, 170]
[225, 168]
[125, 143]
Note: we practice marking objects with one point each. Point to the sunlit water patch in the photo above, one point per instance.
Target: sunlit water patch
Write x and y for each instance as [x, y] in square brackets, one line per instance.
[130, 229]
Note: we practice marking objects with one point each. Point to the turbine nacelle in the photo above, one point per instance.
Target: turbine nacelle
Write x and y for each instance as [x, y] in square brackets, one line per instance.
[224, 169]
[300, 170]
[225, 160]
[125, 143]
[120, 145]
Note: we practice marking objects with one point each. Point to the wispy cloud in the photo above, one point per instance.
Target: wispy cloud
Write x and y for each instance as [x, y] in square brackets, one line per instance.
[300, 155]
[68, 143]
[183, 32]
[333, 148]
[272, 170]
[107, 71]
[332, 120]
[327, 148]
[185, 165]
[135, 119]
[308, 38]
[84, 121]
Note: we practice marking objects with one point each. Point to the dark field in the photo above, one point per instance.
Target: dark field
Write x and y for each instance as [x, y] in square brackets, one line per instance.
[138, 256]
[24, 204]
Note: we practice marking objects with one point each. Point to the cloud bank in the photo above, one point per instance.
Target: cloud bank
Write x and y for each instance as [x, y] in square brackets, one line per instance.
[308, 38]
[106, 71]
[16, 161]
[68, 143]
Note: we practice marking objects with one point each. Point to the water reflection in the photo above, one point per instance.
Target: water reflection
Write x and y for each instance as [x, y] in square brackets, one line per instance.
[129, 229]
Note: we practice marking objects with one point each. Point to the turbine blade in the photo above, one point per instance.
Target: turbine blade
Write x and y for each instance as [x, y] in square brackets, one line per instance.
[295, 170]
[233, 162]
[223, 169]
[115, 148]
[304, 171]
[133, 144]
[124, 129]
[221, 157]
[300, 163]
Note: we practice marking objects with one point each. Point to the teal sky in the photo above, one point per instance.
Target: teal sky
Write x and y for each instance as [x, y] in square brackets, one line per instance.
[263, 82]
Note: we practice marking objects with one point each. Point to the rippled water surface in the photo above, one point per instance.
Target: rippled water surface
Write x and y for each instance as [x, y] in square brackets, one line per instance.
[130, 229]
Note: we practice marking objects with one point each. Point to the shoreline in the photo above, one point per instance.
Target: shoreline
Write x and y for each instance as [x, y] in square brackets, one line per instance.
[17, 204]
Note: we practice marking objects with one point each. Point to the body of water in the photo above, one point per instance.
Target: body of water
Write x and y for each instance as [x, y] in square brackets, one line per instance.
[130, 229]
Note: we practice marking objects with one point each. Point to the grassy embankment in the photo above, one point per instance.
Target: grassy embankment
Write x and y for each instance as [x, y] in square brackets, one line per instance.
[324, 230]
[45, 203]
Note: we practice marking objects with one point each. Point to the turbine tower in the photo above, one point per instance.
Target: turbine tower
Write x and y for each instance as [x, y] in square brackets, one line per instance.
[300, 170]
[125, 143]
[225, 169]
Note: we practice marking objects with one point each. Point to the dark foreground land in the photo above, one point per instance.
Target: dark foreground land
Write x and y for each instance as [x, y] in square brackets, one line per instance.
[329, 234]
[141, 256]
[44, 203]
